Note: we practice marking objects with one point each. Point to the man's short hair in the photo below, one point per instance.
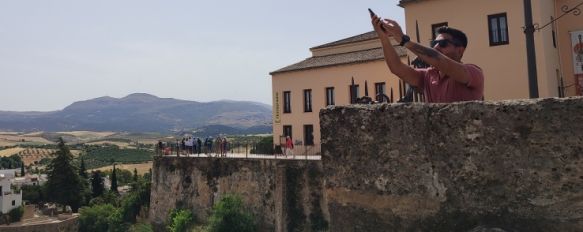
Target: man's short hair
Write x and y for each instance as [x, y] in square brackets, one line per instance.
[456, 34]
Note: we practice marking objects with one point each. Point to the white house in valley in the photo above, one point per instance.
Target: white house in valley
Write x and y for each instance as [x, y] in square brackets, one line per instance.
[9, 198]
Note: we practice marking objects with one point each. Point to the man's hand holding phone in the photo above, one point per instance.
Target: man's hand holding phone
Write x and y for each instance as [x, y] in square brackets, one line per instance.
[386, 27]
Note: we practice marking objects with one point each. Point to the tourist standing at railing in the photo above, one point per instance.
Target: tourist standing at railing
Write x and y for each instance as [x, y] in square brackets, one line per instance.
[225, 146]
[218, 146]
[160, 148]
[209, 142]
[289, 146]
[221, 146]
[189, 145]
[183, 145]
[199, 144]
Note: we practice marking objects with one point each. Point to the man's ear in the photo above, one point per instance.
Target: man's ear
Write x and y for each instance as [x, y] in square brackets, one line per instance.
[461, 51]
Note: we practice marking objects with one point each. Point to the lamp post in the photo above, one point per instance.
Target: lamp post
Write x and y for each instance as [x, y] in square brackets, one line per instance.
[529, 29]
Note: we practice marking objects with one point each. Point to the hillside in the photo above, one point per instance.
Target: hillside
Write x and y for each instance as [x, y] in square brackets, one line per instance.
[142, 112]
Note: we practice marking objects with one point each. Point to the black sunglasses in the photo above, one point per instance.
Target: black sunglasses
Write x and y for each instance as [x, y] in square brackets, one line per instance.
[444, 42]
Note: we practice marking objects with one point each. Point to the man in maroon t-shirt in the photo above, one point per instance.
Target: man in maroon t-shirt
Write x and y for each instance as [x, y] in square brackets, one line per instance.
[448, 79]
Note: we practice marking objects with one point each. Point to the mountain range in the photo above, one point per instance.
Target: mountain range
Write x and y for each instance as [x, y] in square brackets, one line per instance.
[141, 112]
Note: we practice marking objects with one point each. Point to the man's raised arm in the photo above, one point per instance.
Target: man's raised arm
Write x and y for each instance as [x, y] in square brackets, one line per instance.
[403, 71]
[452, 68]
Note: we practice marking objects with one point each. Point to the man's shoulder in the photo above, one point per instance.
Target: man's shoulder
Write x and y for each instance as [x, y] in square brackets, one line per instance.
[473, 66]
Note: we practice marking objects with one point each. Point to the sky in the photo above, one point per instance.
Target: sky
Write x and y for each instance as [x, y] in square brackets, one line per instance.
[53, 53]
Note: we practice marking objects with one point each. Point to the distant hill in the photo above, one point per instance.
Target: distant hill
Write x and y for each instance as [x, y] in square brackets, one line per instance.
[140, 112]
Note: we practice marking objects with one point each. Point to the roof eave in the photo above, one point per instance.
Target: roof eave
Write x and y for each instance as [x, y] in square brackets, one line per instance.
[324, 66]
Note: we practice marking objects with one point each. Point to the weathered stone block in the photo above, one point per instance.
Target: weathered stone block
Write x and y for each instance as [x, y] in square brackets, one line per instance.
[512, 165]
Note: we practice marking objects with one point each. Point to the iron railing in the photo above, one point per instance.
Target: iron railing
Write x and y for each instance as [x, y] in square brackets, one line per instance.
[238, 149]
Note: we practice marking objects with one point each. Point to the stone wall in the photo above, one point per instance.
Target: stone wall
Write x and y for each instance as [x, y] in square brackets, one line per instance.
[283, 195]
[474, 166]
[69, 225]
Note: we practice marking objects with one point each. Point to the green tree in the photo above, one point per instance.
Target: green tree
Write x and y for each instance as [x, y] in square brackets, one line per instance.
[114, 180]
[16, 214]
[97, 185]
[102, 217]
[64, 185]
[22, 169]
[135, 174]
[83, 170]
[180, 220]
[230, 215]
[32, 193]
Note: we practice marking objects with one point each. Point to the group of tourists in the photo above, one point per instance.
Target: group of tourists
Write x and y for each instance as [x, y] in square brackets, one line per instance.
[196, 145]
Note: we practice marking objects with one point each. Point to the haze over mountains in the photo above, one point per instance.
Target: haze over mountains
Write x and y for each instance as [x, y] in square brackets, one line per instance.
[140, 112]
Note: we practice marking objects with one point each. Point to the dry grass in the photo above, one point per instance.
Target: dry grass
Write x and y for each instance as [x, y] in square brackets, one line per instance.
[87, 134]
[11, 151]
[14, 139]
[8, 133]
[30, 155]
[142, 168]
[39, 133]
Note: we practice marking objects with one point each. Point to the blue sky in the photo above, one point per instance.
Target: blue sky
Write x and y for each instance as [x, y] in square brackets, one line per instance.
[55, 52]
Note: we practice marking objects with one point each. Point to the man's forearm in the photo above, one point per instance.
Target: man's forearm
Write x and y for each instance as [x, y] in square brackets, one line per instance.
[391, 57]
[429, 55]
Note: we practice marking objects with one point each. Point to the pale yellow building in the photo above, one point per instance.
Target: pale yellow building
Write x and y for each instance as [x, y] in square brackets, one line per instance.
[496, 43]
[302, 89]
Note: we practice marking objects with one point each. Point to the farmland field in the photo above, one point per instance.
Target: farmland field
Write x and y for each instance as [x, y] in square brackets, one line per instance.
[14, 139]
[87, 134]
[97, 156]
[142, 167]
[11, 151]
[119, 144]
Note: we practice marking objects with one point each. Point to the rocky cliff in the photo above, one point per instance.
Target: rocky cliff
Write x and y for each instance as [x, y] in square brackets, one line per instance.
[282, 195]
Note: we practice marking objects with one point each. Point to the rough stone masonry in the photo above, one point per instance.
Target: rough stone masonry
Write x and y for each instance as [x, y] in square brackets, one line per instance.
[475, 166]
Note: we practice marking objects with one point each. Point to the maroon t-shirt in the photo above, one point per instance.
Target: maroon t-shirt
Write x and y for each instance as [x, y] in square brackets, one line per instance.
[439, 89]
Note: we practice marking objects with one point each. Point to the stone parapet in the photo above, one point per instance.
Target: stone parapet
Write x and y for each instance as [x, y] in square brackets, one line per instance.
[511, 165]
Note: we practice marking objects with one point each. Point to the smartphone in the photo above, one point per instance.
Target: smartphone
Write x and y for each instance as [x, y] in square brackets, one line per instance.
[372, 14]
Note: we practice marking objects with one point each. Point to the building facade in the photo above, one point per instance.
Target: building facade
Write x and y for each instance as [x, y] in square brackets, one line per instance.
[9, 198]
[325, 79]
[496, 43]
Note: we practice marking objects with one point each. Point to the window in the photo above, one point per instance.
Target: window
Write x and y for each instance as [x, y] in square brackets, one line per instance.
[498, 29]
[353, 93]
[287, 102]
[307, 100]
[13, 202]
[330, 96]
[287, 131]
[380, 90]
[308, 134]
[434, 28]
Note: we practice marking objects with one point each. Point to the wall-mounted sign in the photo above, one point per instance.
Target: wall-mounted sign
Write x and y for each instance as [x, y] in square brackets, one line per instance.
[277, 118]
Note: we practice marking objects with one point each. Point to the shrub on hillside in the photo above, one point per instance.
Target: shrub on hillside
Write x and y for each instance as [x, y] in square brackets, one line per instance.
[16, 214]
[230, 215]
[101, 218]
[180, 220]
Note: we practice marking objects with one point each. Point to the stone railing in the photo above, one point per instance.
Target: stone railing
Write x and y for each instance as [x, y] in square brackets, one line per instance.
[475, 166]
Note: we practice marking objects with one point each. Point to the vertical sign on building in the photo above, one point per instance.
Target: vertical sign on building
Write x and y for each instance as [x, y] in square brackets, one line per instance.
[277, 118]
[577, 48]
